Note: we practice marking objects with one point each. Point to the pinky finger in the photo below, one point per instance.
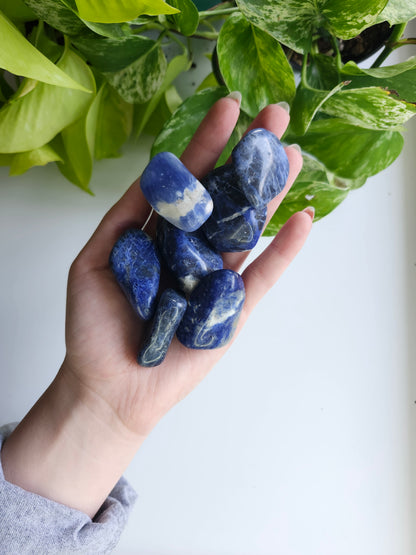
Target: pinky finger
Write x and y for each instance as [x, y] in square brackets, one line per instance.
[263, 273]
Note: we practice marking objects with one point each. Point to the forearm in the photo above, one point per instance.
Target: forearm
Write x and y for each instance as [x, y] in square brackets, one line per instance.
[69, 448]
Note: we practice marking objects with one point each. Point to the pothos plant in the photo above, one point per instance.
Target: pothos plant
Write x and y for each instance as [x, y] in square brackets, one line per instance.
[80, 77]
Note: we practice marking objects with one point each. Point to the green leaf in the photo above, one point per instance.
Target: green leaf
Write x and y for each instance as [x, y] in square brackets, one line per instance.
[398, 11]
[16, 10]
[139, 81]
[109, 54]
[293, 22]
[78, 142]
[371, 107]
[33, 120]
[250, 56]
[399, 78]
[112, 30]
[346, 20]
[314, 186]
[6, 159]
[186, 22]
[179, 129]
[117, 11]
[143, 112]
[350, 151]
[114, 123]
[44, 44]
[23, 161]
[57, 15]
[305, 106]
[20, 57]
[322, 72]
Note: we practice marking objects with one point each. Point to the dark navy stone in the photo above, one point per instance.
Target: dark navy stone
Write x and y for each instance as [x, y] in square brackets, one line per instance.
[187, 255]
[261, 166]
[175, 193]
[136, 266]
[213, 310]
[234, 224]
[169, 312]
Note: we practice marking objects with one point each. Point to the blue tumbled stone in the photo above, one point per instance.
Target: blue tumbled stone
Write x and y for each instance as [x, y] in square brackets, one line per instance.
[136, 266]
[169, 313]
[213, 310]
[175, 193]
[234, 224]
[187, 255]
[261, 166]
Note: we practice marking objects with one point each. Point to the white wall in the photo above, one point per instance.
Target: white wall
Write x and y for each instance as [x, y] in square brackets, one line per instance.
[299, 442]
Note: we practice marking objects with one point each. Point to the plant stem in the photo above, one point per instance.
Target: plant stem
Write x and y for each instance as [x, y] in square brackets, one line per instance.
[388, 49]
[403, 42]
[303, 75]
[212, 13]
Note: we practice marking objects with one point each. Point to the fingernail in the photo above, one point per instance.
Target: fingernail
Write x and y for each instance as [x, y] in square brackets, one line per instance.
[296, 147]
[235, 95]
[310, 211]
[284, 105]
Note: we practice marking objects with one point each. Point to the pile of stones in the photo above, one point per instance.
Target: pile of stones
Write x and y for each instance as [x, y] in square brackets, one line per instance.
[225, 212]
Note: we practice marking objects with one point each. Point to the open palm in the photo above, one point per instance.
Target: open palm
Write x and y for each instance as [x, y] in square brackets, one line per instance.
[104, 335]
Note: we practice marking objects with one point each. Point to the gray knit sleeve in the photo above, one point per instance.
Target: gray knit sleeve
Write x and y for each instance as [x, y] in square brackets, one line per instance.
[31, 524]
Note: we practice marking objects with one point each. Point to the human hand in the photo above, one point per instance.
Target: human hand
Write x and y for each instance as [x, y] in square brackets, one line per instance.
[100, 384]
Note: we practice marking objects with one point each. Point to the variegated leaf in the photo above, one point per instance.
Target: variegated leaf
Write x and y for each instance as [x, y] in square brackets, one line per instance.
[314, 186]
[371, 107]
[350, 151]
[139, 81]
[247, 55]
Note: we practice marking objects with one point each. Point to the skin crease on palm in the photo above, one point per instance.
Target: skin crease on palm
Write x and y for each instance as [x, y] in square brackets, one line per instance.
[102, 405]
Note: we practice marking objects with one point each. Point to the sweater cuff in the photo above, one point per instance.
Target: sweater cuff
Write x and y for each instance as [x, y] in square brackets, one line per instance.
[30, 523]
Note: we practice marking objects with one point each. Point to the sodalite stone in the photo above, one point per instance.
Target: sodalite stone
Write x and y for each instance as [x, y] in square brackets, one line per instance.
[261, 166]
[234, 224]
[175, 193]
[213, 310]
[136, 266]
[169, 312]
[187, 255]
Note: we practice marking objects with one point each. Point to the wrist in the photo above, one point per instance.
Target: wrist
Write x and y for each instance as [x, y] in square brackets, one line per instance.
[70, 448]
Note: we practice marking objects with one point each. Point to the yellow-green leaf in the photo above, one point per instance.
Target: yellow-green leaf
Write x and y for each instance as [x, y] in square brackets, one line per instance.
[114, 123]
[23, 161]
[34, 119]
[117, 11]
[78, 142]
[20, 57]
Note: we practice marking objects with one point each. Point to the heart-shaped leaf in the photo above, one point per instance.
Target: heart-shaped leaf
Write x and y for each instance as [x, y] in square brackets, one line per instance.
[34, 119]
[20, 57]
[179, 129]
[400, 78]
[348, 150]
[113, 54]
[186, 21]
[397, 11]
[293, 22]
[57, 14]
[247, 55]
[117, 11]
[113, 123]
[139, 81]
[370, 107]
[23, 161]
[314, 186]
